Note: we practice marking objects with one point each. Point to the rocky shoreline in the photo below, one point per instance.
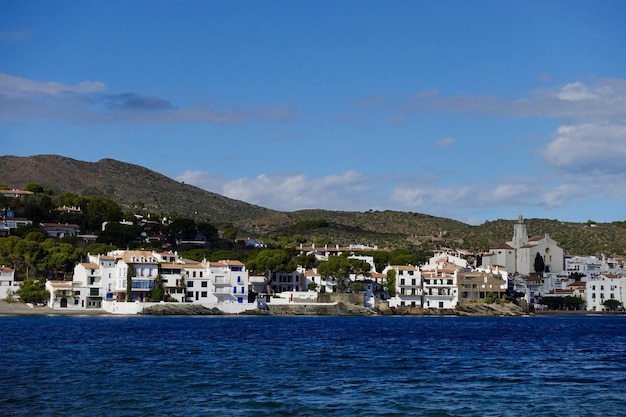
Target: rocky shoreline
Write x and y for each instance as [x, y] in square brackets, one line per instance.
[338, 309]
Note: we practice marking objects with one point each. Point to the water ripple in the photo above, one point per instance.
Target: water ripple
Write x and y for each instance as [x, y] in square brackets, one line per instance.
[312, 366]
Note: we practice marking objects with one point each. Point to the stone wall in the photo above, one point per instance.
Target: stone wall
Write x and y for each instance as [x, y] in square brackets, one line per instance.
[346, 298]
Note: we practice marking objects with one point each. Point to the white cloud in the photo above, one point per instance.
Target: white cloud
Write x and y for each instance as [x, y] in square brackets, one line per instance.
[22, 99]
[588, 147]
[601, 99]
[575, 92]
[18, 86]
[344, 191]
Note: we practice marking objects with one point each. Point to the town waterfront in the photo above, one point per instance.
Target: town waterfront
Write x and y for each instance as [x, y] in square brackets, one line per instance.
[309, 366]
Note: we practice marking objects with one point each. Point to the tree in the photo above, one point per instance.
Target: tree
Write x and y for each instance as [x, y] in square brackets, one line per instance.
[334, 268]
[119, 235]
[33, 187]
[306, 261]
[612, 304]
[540, 265]
[391, 282]
[158, 291]
[129, 282]
[33, 291]
[269, 261]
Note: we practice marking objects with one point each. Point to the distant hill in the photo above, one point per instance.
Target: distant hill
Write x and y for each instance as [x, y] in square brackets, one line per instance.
[135, 186]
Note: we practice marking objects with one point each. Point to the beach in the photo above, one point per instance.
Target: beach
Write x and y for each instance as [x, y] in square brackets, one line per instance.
[19, 308]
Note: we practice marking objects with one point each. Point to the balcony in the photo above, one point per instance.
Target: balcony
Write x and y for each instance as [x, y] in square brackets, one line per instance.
[222, 281]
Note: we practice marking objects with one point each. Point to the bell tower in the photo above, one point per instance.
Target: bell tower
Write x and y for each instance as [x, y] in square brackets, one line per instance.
[520, 234]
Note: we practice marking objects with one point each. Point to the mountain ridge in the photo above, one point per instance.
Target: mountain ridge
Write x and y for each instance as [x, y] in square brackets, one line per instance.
[138, 188]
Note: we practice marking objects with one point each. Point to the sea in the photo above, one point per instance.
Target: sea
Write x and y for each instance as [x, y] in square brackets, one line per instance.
[312, 366]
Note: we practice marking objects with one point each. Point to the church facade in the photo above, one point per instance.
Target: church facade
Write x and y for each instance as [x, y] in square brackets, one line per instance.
[519, 256]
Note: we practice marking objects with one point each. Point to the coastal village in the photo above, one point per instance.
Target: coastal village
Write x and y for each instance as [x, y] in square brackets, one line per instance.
[527, 270]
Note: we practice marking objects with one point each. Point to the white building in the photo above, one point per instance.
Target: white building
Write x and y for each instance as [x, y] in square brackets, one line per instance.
[592, 266]
[104, 278]
[605, 287]
[8, 285]
[440, 287]
[408, 286]
[230, 279]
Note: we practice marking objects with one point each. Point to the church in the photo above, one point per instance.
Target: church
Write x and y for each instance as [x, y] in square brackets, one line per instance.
[518, 256]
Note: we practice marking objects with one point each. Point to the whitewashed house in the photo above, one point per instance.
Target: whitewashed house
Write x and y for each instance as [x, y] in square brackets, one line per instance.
[104, 278]
[8, 285]
[230, 280]
[439, 287]
[605, 287]
[409, 290]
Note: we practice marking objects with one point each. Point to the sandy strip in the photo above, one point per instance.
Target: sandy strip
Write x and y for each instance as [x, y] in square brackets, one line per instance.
[21, 309]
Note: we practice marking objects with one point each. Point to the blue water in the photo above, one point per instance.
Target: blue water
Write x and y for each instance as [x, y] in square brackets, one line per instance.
[312, 366]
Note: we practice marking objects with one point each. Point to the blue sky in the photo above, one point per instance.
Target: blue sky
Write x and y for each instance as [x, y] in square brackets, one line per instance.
[471, 110]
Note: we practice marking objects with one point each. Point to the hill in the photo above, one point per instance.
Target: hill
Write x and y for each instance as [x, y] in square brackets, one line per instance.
[134, 187]
[128, 184]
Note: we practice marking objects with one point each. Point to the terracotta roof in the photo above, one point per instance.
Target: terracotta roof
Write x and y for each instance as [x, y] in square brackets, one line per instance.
[61, 284]
[172, 266]
[89, 265]
[404, 267]
[128, 255]
[232, 262]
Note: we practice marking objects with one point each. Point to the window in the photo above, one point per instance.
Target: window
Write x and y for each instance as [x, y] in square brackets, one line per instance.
[204, 284]
[243, 290]
[402, 281]
[203, 294]
[234, 290]
[440, 304]
[190, 284]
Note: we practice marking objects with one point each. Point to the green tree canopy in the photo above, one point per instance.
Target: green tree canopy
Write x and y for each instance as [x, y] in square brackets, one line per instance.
[612, 304]
[269, 261]
[33, 291]
[391, 282]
